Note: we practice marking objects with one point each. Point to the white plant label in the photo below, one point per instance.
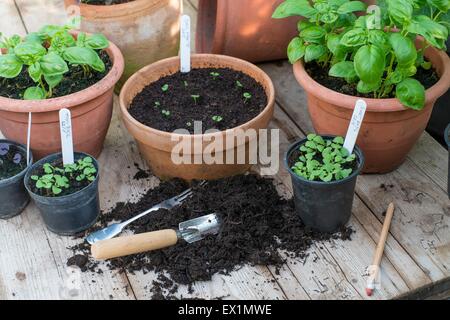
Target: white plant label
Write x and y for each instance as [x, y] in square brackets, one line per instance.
[28, 138]
[355, 125]
[65, 125]
[185, 44]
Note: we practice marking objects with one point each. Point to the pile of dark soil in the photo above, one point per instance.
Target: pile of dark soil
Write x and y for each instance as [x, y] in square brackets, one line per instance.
[73, 81]
[256, 224]
[12, 161]
[105, 2]
[426, 77]
[213, 96]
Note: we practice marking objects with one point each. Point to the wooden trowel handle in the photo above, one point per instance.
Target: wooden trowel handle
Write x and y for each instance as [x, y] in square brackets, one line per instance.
[124, 246]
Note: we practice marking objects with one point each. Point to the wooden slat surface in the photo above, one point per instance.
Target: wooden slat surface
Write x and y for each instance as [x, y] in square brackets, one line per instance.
[32, 259]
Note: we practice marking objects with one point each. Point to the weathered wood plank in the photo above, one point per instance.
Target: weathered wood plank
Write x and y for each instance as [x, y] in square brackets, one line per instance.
[10, 23]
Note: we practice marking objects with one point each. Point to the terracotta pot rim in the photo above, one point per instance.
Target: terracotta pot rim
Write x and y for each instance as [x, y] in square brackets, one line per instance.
[199, 56]
[373, 105]
[114, 10]
[74, 99]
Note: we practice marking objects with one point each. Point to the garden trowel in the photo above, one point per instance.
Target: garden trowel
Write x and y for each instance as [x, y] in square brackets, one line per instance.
[190, 231]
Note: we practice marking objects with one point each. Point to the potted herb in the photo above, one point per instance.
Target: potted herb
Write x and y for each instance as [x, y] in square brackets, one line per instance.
[447, 141]
[145, 30]
[323, 177]
[223, 93]
[66, 195]
[53, 69]
[393, 58]
[13, 166]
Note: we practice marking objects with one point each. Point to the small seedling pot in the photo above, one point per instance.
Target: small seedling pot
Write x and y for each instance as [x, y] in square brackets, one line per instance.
[447, 140]
[323, 206]
[13, 196]
[70, 214]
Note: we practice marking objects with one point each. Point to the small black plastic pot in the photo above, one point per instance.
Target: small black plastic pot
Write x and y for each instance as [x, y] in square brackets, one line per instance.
[69, 214]
[13, 196]
[323, 206]
[447, 140]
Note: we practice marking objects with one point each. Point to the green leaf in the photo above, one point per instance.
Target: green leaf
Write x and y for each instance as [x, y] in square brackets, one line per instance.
[344, 69]
[290, 8]
[314, 51]
[34, 93]
[35, 71]
[379, 38]
[364, 87]
[53, 65]
[329, 17]
[404, 49]
[84, 56]
[354, 38]
[431, 30]
[442, 5]
[96, 41]
[352, 6]
[338, 140]
[411, 93]
[35, 178]
[29, 52]
[333, 42]
[80, 39]
[296, 50]
[313, 34]
[10, 66]
[39, 184]
[34, 37]
[53, 81]
[87, 160]
[369, 63]
[394, 77]
[56, 190]
[400, 11]
[303, 24]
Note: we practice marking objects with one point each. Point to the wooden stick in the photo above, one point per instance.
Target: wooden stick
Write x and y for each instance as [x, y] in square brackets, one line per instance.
[380, 248]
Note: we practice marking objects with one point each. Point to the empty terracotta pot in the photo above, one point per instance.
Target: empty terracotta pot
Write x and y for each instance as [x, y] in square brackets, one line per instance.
[145, 30]
[243, 29]
[91, 111]
[389, 130]
[156, 146]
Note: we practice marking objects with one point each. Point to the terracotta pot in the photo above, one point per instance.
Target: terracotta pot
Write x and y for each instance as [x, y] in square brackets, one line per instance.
[243, 29]
[91, 111]
[389, 130]
[145, 30]
[156, 146]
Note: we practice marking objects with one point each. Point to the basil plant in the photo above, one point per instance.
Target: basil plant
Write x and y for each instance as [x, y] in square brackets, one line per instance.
[376, 50]
[46, 56]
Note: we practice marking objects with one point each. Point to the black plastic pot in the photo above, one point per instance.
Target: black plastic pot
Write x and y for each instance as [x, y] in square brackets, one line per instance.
[70, 214]
[13, 196]
[323, 206]
[447, 140]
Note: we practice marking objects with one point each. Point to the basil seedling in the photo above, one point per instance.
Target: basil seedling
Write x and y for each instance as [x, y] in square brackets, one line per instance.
[323, 160]
[217, 118]
[195, 97]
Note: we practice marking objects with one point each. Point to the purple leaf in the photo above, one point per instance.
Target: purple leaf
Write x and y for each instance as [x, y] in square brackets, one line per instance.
[17, 158]
[4, 148]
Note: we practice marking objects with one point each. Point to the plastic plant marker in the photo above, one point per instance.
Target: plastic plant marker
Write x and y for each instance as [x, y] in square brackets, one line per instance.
[185, 44]
[355, 125]
[65, 123]
[28, 138]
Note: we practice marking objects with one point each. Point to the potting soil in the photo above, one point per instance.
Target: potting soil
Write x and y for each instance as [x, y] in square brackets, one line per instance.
[257, 224]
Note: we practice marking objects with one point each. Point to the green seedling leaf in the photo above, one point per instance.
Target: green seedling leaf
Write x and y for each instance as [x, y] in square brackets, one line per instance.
[34, 93]
[165, 88]
[296, 50]
[290, 8]
[411, 93]
[10, 66]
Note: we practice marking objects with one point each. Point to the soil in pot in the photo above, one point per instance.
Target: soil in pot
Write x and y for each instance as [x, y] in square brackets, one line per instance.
[73, 81]
[426, 77]
[12, 161]
[221, 98]
[105, 2]
[256, 223]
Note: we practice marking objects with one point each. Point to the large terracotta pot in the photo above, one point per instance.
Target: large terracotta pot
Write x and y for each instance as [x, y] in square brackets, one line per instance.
[243, 29]
[91, 111]
[145, 30]
[156, 146]
[389, 130]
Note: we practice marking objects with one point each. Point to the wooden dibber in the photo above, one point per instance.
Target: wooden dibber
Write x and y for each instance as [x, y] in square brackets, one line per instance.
[380, 249]
[124, 246]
